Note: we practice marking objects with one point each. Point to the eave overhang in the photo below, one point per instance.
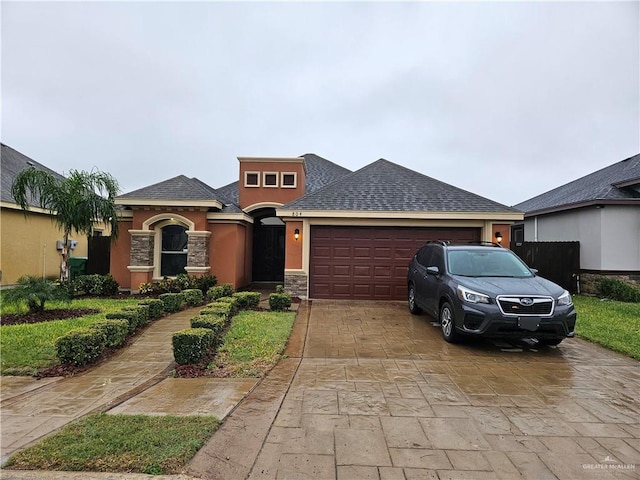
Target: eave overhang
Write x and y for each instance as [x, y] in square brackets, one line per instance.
[141, 202]
[576, 205]
[359, 214]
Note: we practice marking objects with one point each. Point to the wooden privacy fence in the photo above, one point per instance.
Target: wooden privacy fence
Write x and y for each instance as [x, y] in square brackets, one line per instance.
[555, 261]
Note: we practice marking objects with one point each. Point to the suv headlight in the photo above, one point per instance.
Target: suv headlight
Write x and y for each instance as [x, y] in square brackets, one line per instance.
[565, 299]
[470, 296]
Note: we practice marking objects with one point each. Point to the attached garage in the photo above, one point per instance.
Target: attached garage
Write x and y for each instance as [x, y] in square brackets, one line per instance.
[369, 262]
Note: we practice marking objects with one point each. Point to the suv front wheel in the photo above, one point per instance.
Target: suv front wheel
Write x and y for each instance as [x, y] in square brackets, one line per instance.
[447, 323]
[413, 307]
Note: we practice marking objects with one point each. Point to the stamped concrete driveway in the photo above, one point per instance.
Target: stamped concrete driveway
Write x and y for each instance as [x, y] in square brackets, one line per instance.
[378, 394]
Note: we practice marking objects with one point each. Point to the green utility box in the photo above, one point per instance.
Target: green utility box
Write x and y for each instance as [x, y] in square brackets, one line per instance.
[77, 267]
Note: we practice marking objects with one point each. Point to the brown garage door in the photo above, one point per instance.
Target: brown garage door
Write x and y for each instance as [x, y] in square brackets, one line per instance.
[369, 262]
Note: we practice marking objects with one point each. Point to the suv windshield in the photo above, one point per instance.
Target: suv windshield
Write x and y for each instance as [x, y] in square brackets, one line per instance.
[486, 263]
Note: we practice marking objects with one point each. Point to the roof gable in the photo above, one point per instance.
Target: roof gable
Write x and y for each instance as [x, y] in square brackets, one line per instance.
[617, 182]
[386, 186]
[180, 189]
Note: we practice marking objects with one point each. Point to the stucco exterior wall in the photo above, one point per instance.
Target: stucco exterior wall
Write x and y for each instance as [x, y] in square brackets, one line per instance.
[609, 236]
[293, 246]
[28, 245]
[224, 247]
[230, 257]
[120, 255]
[255, 195]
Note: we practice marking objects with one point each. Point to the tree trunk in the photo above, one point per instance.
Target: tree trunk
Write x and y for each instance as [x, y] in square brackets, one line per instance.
[64, 263]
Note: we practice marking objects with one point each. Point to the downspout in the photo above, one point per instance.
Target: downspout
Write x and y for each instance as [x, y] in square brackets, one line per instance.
[535, 228]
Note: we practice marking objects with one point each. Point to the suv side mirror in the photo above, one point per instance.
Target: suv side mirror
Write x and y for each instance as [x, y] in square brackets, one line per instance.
[534, 271]
[433, 270]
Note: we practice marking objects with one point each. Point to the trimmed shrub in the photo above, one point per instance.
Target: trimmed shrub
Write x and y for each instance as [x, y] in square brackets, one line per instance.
[193, 297]
[156, 307]
[142, 311]
[115, 331]
[218, 308]
[212, 322]
[81, 346]
[130, 316]
[222, 290]
[279, 301]
[232, 301]
[172, 302]
[247, 300]
[191, 345]
[616, 289]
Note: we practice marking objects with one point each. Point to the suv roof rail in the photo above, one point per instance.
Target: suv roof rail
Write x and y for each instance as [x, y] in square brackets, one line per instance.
[445, 243]
[482, 242]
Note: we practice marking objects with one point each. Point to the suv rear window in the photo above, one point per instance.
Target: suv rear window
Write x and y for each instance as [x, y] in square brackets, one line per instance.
[486, 263]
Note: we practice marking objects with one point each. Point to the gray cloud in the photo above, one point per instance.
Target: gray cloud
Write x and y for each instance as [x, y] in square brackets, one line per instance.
[506, 100]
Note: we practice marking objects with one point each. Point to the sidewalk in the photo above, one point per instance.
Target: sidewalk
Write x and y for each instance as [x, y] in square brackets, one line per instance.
[31, 408]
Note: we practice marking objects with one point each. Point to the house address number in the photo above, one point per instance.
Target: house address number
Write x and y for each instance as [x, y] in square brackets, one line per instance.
[296, 214]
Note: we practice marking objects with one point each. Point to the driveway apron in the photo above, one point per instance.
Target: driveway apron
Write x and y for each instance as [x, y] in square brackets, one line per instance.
[378, 394]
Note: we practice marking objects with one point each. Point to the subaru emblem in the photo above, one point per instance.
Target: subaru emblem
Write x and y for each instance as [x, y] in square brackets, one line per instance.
[526, 301]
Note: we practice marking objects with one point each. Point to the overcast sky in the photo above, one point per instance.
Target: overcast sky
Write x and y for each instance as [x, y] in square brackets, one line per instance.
[504, 99]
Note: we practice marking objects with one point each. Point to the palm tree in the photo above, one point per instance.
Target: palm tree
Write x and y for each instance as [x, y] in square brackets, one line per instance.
[76, 202]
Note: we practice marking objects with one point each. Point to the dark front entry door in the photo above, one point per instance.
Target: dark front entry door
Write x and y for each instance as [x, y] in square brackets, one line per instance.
[268, 253]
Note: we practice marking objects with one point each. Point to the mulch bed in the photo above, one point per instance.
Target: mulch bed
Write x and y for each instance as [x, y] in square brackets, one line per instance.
[46, 316]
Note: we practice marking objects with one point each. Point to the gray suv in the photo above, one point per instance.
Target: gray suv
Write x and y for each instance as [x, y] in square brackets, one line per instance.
[487, 290]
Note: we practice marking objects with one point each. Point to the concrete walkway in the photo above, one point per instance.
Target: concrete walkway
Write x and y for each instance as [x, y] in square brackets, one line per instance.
[132, 381]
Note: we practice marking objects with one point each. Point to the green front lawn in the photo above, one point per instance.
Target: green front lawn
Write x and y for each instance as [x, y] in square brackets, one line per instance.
[120, 443]
[28, 348]
[254, 343]
[615, 325]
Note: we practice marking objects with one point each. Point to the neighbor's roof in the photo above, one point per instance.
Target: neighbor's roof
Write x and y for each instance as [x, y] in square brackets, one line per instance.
[12, 162]
[617, 183]
[177, 189]
[386, 186]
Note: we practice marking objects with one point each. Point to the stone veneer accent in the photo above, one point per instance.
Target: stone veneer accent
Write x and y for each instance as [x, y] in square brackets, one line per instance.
[295, 284]
[198, 249]
[589, 281]
[142, 244]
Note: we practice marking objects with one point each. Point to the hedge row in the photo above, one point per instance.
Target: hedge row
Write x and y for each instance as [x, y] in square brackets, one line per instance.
[192, 344]
[83, 346]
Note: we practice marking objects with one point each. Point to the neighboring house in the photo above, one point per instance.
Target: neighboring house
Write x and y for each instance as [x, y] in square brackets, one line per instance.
[28, 243]
[316, 227]
[600, 210]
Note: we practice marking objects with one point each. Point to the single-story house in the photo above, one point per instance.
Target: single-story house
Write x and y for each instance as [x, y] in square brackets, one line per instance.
[29, 243]
[600, 210]
[316, 227]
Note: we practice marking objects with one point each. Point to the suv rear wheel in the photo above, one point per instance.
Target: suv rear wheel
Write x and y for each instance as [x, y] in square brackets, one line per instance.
[447, 323]
[411, 298]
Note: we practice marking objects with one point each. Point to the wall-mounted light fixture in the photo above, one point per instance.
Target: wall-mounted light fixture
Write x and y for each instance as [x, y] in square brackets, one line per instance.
[498, 237]
[296, 233]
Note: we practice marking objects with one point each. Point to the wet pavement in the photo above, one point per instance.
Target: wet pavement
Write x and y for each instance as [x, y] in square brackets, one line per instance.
[132, 381]
[379, 395]
[370, 391]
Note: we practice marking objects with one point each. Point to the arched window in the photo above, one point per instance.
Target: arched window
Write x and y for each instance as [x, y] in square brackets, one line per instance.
[173, 253]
